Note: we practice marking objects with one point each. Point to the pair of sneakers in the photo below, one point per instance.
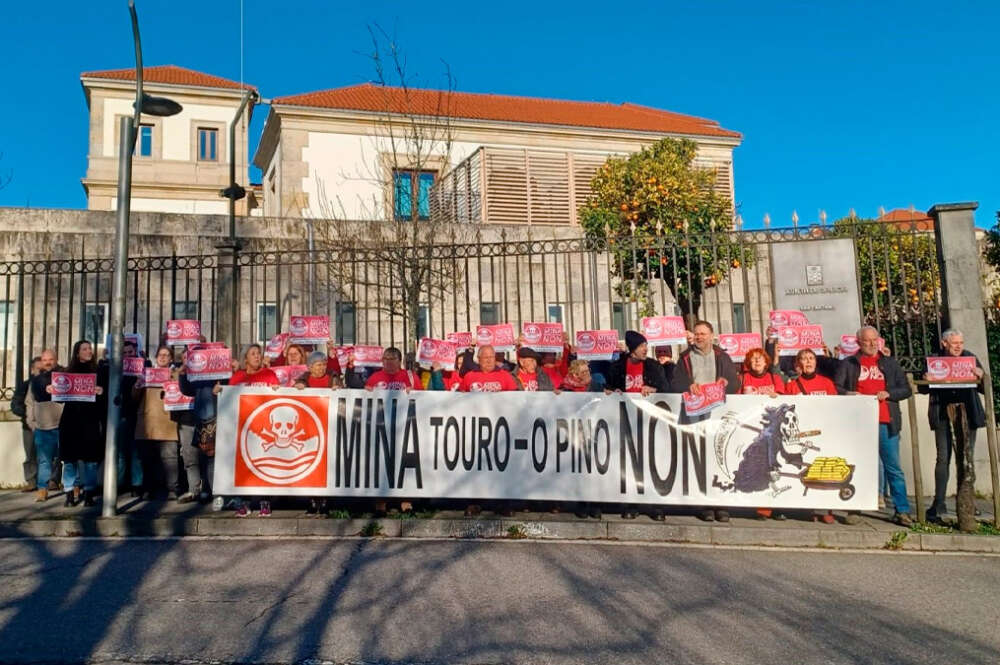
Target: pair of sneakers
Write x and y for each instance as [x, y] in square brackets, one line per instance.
[243, 509]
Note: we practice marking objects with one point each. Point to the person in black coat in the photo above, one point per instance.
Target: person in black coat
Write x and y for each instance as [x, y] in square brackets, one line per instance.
[621, 379]
[952, 344]
[82, 429]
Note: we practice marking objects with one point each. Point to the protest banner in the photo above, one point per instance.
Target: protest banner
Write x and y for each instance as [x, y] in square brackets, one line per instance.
[308, 329]
[787, 317]
[792, 339]
[462, 340]
[499, 336]
[807, 452]
[596, 344]
[211, 364]
[182, 332]
[543, 337]
[952, 371]
[367, 356]
[288, 374]
[438, 351]
[174, 399]
[710, 396]
[155, 377]
[736, 345]
[276, 346]
[664, 330]
[67, 387]
[135, 366]
[343, 354]
[849, 346]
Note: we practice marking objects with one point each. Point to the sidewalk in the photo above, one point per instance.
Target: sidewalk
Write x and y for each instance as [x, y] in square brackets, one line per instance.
[20, 517]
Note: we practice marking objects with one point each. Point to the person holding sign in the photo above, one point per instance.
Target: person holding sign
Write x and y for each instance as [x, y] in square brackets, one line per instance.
[489, 378]
[156, 433]
[256, 375]
[634, 372]
[528, 375]
[941, 401]
[759, 376]
[872, 373]
[43, 416]
[392, 376]
[81, 429]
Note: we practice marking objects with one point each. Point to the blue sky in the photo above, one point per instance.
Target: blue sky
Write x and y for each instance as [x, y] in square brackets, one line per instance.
[842, 104]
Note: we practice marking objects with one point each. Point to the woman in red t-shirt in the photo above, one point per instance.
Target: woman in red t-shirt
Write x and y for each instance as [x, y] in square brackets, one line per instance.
[758, 376]
[254, 374]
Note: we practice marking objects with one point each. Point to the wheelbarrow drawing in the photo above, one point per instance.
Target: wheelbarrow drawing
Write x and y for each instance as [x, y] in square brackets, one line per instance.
[829, 473]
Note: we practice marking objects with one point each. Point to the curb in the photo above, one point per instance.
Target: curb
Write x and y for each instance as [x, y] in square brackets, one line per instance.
[708, 534]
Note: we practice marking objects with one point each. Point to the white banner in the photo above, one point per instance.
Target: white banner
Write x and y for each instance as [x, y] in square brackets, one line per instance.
[755, 451]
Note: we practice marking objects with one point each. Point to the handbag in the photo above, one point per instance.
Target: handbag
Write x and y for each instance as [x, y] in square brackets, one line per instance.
[206, 438]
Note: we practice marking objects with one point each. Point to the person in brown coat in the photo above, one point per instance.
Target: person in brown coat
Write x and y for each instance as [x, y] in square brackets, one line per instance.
[156, 434]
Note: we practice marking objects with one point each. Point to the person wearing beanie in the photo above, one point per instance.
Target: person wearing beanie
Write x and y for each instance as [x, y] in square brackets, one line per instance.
[634, 372]
[527, 373]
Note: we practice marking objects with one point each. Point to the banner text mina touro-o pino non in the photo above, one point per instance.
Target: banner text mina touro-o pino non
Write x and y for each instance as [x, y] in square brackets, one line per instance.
[787, 452]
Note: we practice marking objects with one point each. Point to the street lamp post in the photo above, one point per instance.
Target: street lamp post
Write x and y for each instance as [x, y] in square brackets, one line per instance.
[158, 106]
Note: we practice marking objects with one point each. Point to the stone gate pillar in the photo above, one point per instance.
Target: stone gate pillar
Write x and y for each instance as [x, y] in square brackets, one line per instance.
[227, 295]
[961, 276]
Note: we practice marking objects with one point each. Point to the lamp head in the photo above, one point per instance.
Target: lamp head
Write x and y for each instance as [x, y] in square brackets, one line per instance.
[159, 106]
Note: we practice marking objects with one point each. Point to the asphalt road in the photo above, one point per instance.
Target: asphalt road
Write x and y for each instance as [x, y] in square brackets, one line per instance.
[292, 601]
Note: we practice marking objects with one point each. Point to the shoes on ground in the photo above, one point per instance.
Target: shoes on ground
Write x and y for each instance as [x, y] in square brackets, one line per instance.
[721, 515]
[218, 503]
[265, 508]
[902, 519]
[707, 515]
[852, 518]
[243, 510]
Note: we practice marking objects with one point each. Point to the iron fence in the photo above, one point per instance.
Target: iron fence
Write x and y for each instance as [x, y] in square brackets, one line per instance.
[583, 282]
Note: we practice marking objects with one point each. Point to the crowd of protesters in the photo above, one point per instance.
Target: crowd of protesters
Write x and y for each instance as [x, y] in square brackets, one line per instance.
[171, 453]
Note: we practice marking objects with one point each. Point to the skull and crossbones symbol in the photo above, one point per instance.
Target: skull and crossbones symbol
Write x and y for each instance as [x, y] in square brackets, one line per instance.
[283, 432]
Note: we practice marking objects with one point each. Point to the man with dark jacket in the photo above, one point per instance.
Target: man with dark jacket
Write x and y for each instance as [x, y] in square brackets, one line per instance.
[952, 344]
[634, 372]
[704, 362]
[19, 409]
[528, 374]
[872, 373]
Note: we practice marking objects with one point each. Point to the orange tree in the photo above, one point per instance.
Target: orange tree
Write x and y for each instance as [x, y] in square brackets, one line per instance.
[659, 217]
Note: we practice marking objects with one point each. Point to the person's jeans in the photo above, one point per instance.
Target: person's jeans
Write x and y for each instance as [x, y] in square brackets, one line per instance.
[942, 465]
[46, 445]
[888, 452]
[30, 466]
[80, 474]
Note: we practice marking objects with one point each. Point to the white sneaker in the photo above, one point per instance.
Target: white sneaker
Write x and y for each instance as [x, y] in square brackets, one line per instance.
[217, 504]
[881, 502]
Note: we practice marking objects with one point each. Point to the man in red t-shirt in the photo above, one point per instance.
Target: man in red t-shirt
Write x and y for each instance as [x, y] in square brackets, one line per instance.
[392, 376]
[488, 378]
[873, 373]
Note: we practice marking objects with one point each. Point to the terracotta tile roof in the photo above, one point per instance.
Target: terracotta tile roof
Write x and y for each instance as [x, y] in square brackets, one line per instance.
[476, 106]
[171, 74]
[903, 217]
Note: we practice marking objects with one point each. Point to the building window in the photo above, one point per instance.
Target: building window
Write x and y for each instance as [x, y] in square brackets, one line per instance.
[423, 321]
[8, 323]
[554, 313]
[489, 313]
[346, 323]
[739, 317]
[186, 309]
[405, 183]
[207, 144]
[95, 322]
[267, 321]
[144, 142]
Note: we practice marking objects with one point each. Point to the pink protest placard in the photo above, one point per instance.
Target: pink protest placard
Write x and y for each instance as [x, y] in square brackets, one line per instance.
[543, 337]
[133, 366]
[792, 339]
[309, 329]
[736, 345]
[288, 374]
[664, 330]
[212, 364]
[343, 354]
[499, 336]
[367, 356]
[712, 396]
[276, 345]
[787, 317]
[461, 339]
[207, 345]
[155, 377]
[849, 346]
[951, 371]
[596, 344]
[68, 387]
[174, 399]
[438, 351]
[181, 332]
